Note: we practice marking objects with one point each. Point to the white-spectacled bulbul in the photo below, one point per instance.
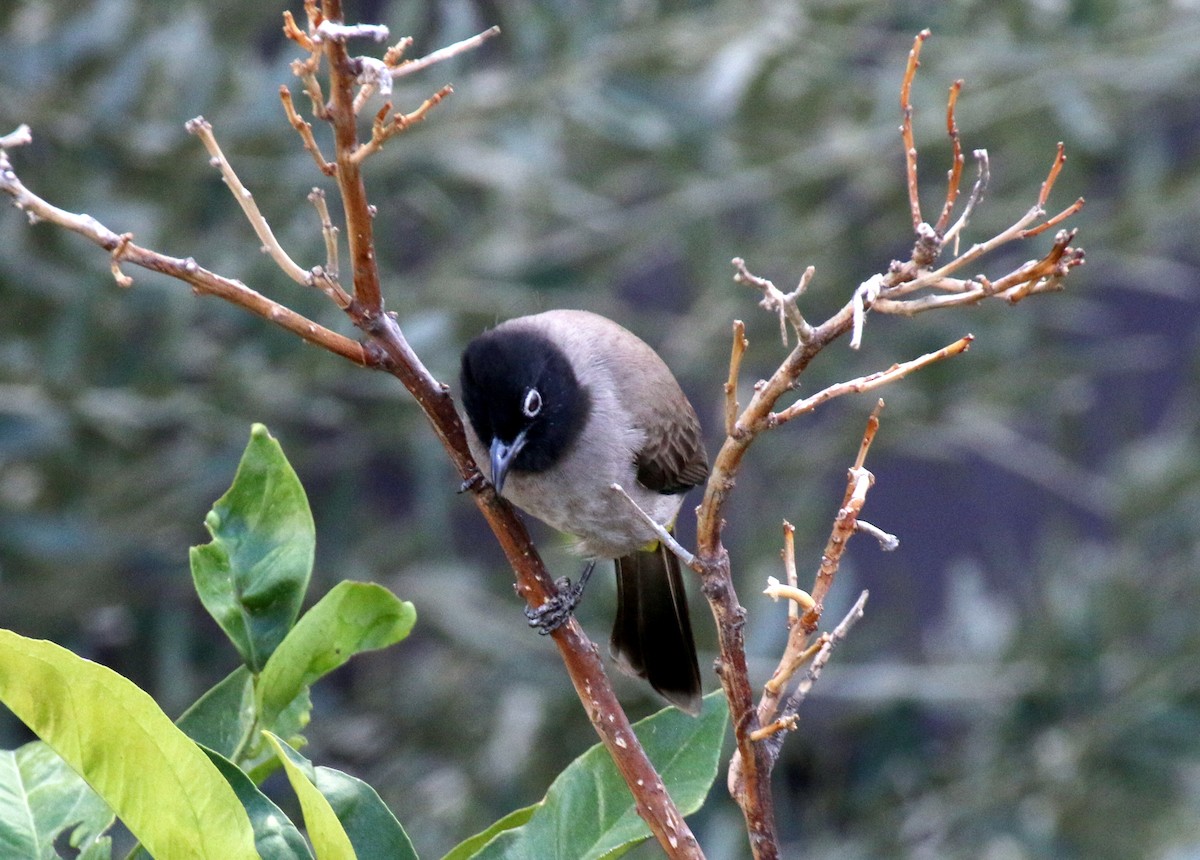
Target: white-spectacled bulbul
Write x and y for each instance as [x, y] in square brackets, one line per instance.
[564, 404]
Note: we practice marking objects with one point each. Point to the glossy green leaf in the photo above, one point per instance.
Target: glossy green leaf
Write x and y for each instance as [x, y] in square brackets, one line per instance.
[41, 798]
[470, 847]
[260, 760]
[275, 837]
[157, 781]
[588, 812]
[353, 617]
[221, 719]
[371, 826]
[329, 838]
[253, 575]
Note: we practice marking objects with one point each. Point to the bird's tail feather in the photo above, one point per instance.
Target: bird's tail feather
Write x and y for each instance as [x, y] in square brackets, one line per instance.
[652, 635]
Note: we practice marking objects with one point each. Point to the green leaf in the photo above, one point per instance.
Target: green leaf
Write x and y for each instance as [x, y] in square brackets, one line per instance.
[157, 781]
[371, 826]
[588, 812]
[471, 845]
[253, 574]
[224, 715]
[329, 839]
[40, 798]
[275, 837]
[353, 617]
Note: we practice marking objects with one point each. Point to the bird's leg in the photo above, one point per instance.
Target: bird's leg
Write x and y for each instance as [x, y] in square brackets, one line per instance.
[557, 609]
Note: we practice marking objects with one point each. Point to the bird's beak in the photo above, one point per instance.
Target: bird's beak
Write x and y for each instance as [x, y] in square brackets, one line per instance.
[503, 453]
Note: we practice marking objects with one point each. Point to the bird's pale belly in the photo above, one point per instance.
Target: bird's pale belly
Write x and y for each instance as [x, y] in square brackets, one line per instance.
[605, 523]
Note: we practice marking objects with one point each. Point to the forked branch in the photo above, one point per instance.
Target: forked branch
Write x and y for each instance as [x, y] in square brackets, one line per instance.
[906, 287]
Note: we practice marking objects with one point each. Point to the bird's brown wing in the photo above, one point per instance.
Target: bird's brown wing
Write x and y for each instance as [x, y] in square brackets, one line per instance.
[672, 459]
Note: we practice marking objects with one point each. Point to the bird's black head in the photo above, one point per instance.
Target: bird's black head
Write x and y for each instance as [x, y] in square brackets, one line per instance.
[522, 398]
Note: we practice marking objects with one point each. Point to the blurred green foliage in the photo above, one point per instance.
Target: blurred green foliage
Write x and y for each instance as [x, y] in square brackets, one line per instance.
[1025, 683]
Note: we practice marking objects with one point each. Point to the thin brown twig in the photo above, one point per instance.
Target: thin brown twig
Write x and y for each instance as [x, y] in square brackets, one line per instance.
[1060, 158]
[1053, 221]
[983, 175]
[118, 253]
[202, 280]
[580, 656]
[794, 660]
[660, 531]
[749, 775]
[869, 382]
[395, 54]
[906, 128]
[735, 363]
[202, 128]
[954, 177]
[382, 129]
[771, 711]
[1036, 276]
[868, 437]
[304, 128]
[784, 724]
[789, 564]
[328, 232]
[858, 482]
[292, 31]
[1042, 275]
[306, 69]
[410, 66]
[784, 305]
[831, 641]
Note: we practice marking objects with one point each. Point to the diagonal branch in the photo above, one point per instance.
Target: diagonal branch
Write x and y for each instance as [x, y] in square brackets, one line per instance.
[580, 656]
[870, 382]
[187, 270]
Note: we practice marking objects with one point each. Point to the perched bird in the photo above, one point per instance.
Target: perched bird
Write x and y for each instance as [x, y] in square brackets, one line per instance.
[562, 405]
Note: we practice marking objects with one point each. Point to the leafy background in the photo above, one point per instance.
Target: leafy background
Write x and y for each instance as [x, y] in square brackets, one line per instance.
[1027, 681]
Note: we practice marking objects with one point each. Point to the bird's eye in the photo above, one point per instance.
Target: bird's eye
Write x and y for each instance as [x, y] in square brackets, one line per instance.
[532, 404]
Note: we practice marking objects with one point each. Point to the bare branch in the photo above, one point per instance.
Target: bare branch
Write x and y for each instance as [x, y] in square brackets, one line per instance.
[292, 31]
[735, 363]
[777, 590]
[981, 181]
[202, 280]
[1060, 159]
[777, 301]
[831, 641]
[305, 130]
[118, 253]
[868, 437]
[333, 31]
[203, 130]
[20, 136]
[395, 54]
[954, 177]
[906, 128]
[410, 66]
[661, 531]
[789, 564]
[863, 300]
[1053, 221]
[382, 129]
[317, 198]
[870, 382]
[888, 542]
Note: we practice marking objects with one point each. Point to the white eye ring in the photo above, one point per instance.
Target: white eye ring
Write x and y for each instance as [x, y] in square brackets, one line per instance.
[532, 404]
